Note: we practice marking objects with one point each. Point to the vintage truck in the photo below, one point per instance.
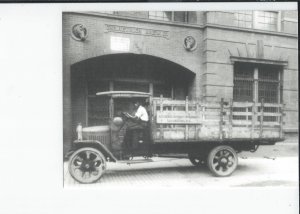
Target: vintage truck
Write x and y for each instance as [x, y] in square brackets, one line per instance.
[209, 133]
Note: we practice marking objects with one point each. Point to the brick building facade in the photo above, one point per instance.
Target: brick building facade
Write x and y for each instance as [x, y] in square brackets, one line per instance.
[239, 55]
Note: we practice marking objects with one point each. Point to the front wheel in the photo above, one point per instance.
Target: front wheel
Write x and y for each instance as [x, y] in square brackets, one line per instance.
[87, 165]
[222, 161]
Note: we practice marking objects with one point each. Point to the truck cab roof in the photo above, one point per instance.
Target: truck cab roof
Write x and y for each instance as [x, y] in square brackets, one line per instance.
[124, 94]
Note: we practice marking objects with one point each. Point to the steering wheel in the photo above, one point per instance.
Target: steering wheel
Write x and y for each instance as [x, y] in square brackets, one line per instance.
[124, 117]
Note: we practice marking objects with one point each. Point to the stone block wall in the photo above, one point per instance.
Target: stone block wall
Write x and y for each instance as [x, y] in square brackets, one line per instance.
[217, 77]
[217, 39]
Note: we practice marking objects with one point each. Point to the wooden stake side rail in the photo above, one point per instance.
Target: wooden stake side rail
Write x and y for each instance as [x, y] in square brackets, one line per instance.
[184, 120]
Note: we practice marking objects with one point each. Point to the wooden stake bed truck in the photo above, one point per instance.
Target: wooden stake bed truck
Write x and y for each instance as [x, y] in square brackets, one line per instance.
[210, 133]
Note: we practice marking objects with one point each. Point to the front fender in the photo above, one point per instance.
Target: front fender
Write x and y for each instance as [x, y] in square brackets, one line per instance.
[95, 144]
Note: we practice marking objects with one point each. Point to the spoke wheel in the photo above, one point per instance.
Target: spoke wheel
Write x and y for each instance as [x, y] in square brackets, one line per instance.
[87, 165]
[197, 160]
[222, 161]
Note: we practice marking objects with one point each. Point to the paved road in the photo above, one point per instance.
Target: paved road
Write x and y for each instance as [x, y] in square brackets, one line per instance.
[277, 150]
[272, 169]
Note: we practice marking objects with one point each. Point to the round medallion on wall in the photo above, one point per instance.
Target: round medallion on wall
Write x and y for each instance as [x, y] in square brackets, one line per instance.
[79, 32]
[190, 43]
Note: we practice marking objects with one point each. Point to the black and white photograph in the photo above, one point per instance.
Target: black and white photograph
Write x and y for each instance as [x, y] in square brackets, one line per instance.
[180, 98]
[149, 107]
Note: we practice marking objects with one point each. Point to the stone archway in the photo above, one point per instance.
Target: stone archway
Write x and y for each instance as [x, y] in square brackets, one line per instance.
[135, 72]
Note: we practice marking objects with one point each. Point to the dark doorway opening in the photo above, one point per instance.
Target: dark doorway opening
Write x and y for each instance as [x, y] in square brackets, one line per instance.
[122, 72]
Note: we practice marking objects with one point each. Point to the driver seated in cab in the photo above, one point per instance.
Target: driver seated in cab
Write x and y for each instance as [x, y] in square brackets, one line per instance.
[138, 123]
[140, 118]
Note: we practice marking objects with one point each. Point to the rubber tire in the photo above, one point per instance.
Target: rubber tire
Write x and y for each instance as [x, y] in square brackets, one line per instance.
[79, 151]
[211, 156]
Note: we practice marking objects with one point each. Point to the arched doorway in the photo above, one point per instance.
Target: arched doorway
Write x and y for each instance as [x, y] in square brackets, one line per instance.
[123, 72]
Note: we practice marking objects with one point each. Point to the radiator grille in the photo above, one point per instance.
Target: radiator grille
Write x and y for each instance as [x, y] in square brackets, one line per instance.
[102, 137]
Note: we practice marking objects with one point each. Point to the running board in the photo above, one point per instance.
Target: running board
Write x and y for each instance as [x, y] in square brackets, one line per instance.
[135, 161]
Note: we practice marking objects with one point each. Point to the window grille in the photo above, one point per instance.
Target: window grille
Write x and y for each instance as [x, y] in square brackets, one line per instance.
[268, 88]
[243, 83]
[268, 84]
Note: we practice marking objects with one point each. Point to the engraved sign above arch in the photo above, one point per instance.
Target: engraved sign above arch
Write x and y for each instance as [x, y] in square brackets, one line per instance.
[137, 31]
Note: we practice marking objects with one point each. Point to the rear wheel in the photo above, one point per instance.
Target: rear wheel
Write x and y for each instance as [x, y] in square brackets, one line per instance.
[222, 161]
[87, 165]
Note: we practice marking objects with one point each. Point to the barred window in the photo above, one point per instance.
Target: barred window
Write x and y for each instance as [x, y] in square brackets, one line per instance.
[243, 82]
[243, 19]
[269, 86]
[266, 20]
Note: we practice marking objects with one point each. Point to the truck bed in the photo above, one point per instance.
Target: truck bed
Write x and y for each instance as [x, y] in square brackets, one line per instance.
[191, 121]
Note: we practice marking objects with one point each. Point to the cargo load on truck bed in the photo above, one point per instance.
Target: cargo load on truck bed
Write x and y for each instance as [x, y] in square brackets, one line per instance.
[184, 120]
